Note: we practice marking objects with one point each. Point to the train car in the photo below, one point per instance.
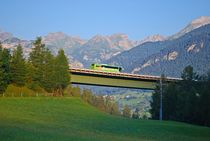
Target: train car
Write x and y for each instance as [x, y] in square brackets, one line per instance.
[106, 68]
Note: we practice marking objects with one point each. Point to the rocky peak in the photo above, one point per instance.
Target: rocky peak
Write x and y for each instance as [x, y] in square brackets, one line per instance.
[56, 35]
[61, 38]
[153, 38]
[119, 36]
[5, 35]
[201, 21]
[122, 41]
[99, 41]
[98, 38]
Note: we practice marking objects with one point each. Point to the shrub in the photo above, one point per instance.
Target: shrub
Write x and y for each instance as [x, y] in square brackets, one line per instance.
[13, 90]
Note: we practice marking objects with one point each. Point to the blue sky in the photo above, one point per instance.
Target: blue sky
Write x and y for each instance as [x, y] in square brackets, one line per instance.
[28, 19]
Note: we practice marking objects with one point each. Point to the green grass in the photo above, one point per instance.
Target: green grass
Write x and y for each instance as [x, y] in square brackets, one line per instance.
[70, 119]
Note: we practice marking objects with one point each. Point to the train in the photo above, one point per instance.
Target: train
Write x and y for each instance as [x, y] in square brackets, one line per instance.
[106, 68]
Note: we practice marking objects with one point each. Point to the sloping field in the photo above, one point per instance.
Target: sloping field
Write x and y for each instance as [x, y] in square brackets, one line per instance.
[70, 119]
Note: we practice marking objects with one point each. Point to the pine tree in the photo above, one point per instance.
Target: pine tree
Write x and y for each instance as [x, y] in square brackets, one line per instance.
[43, 67]
[61, 76]
[188, 73]
[188, 94]
[30, 71]
[18, 67]
[2, 83]
[155, 103]
[204, 106]
[36, 56]
[5, 76]
[37, 60]
[170, 102]
[0, 48]
[48, 71]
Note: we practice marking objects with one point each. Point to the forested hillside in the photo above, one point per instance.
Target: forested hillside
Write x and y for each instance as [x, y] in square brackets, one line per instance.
[170, 56]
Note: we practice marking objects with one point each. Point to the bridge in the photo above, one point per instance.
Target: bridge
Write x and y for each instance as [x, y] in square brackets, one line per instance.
[123, 80]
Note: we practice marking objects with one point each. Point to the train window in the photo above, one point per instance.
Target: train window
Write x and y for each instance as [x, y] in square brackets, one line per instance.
[110, 67]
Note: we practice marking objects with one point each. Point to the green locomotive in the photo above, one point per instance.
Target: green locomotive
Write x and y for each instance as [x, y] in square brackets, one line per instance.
[106, 68]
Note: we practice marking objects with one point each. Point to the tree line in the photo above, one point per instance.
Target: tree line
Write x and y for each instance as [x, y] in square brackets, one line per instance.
[187, 100]
[42, 70]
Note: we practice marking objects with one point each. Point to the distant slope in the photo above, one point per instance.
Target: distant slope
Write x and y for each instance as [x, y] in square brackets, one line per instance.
[132, 58]
[192, 48]
[53, 119]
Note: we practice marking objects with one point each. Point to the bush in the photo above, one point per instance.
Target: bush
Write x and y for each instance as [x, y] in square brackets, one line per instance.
[16, 91]
[35, 87]
[72, 91]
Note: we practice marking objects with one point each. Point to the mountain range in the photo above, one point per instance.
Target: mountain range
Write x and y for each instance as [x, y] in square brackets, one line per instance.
[80, 52]
[190, 46]
[153, 55]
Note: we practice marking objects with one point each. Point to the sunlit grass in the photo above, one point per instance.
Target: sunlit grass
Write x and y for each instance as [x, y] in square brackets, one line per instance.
[66, 118]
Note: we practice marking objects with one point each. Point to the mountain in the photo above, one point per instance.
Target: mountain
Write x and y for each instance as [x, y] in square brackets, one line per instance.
[9, 41]
[152, 38]
[57, 40]
[5, 35]
[130, 59]
[134, 56]
[101, 48]
[170, 55]
[192, 49]
[201, 21]
[122, 41]
[80, 52]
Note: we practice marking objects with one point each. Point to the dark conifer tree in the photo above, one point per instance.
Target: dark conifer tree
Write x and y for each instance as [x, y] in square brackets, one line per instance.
[48, 71]
[155, 103]
[187, 95]
[18, 67]
[5, 74]
[170, 102]
[37, 60]
[2, 84]
[43, 66]
[61, 75]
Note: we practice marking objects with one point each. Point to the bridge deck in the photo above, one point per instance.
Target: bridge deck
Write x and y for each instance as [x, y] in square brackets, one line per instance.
[125, 80]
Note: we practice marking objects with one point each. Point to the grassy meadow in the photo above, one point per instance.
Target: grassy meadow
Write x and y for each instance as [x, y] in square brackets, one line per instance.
[70, 119]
